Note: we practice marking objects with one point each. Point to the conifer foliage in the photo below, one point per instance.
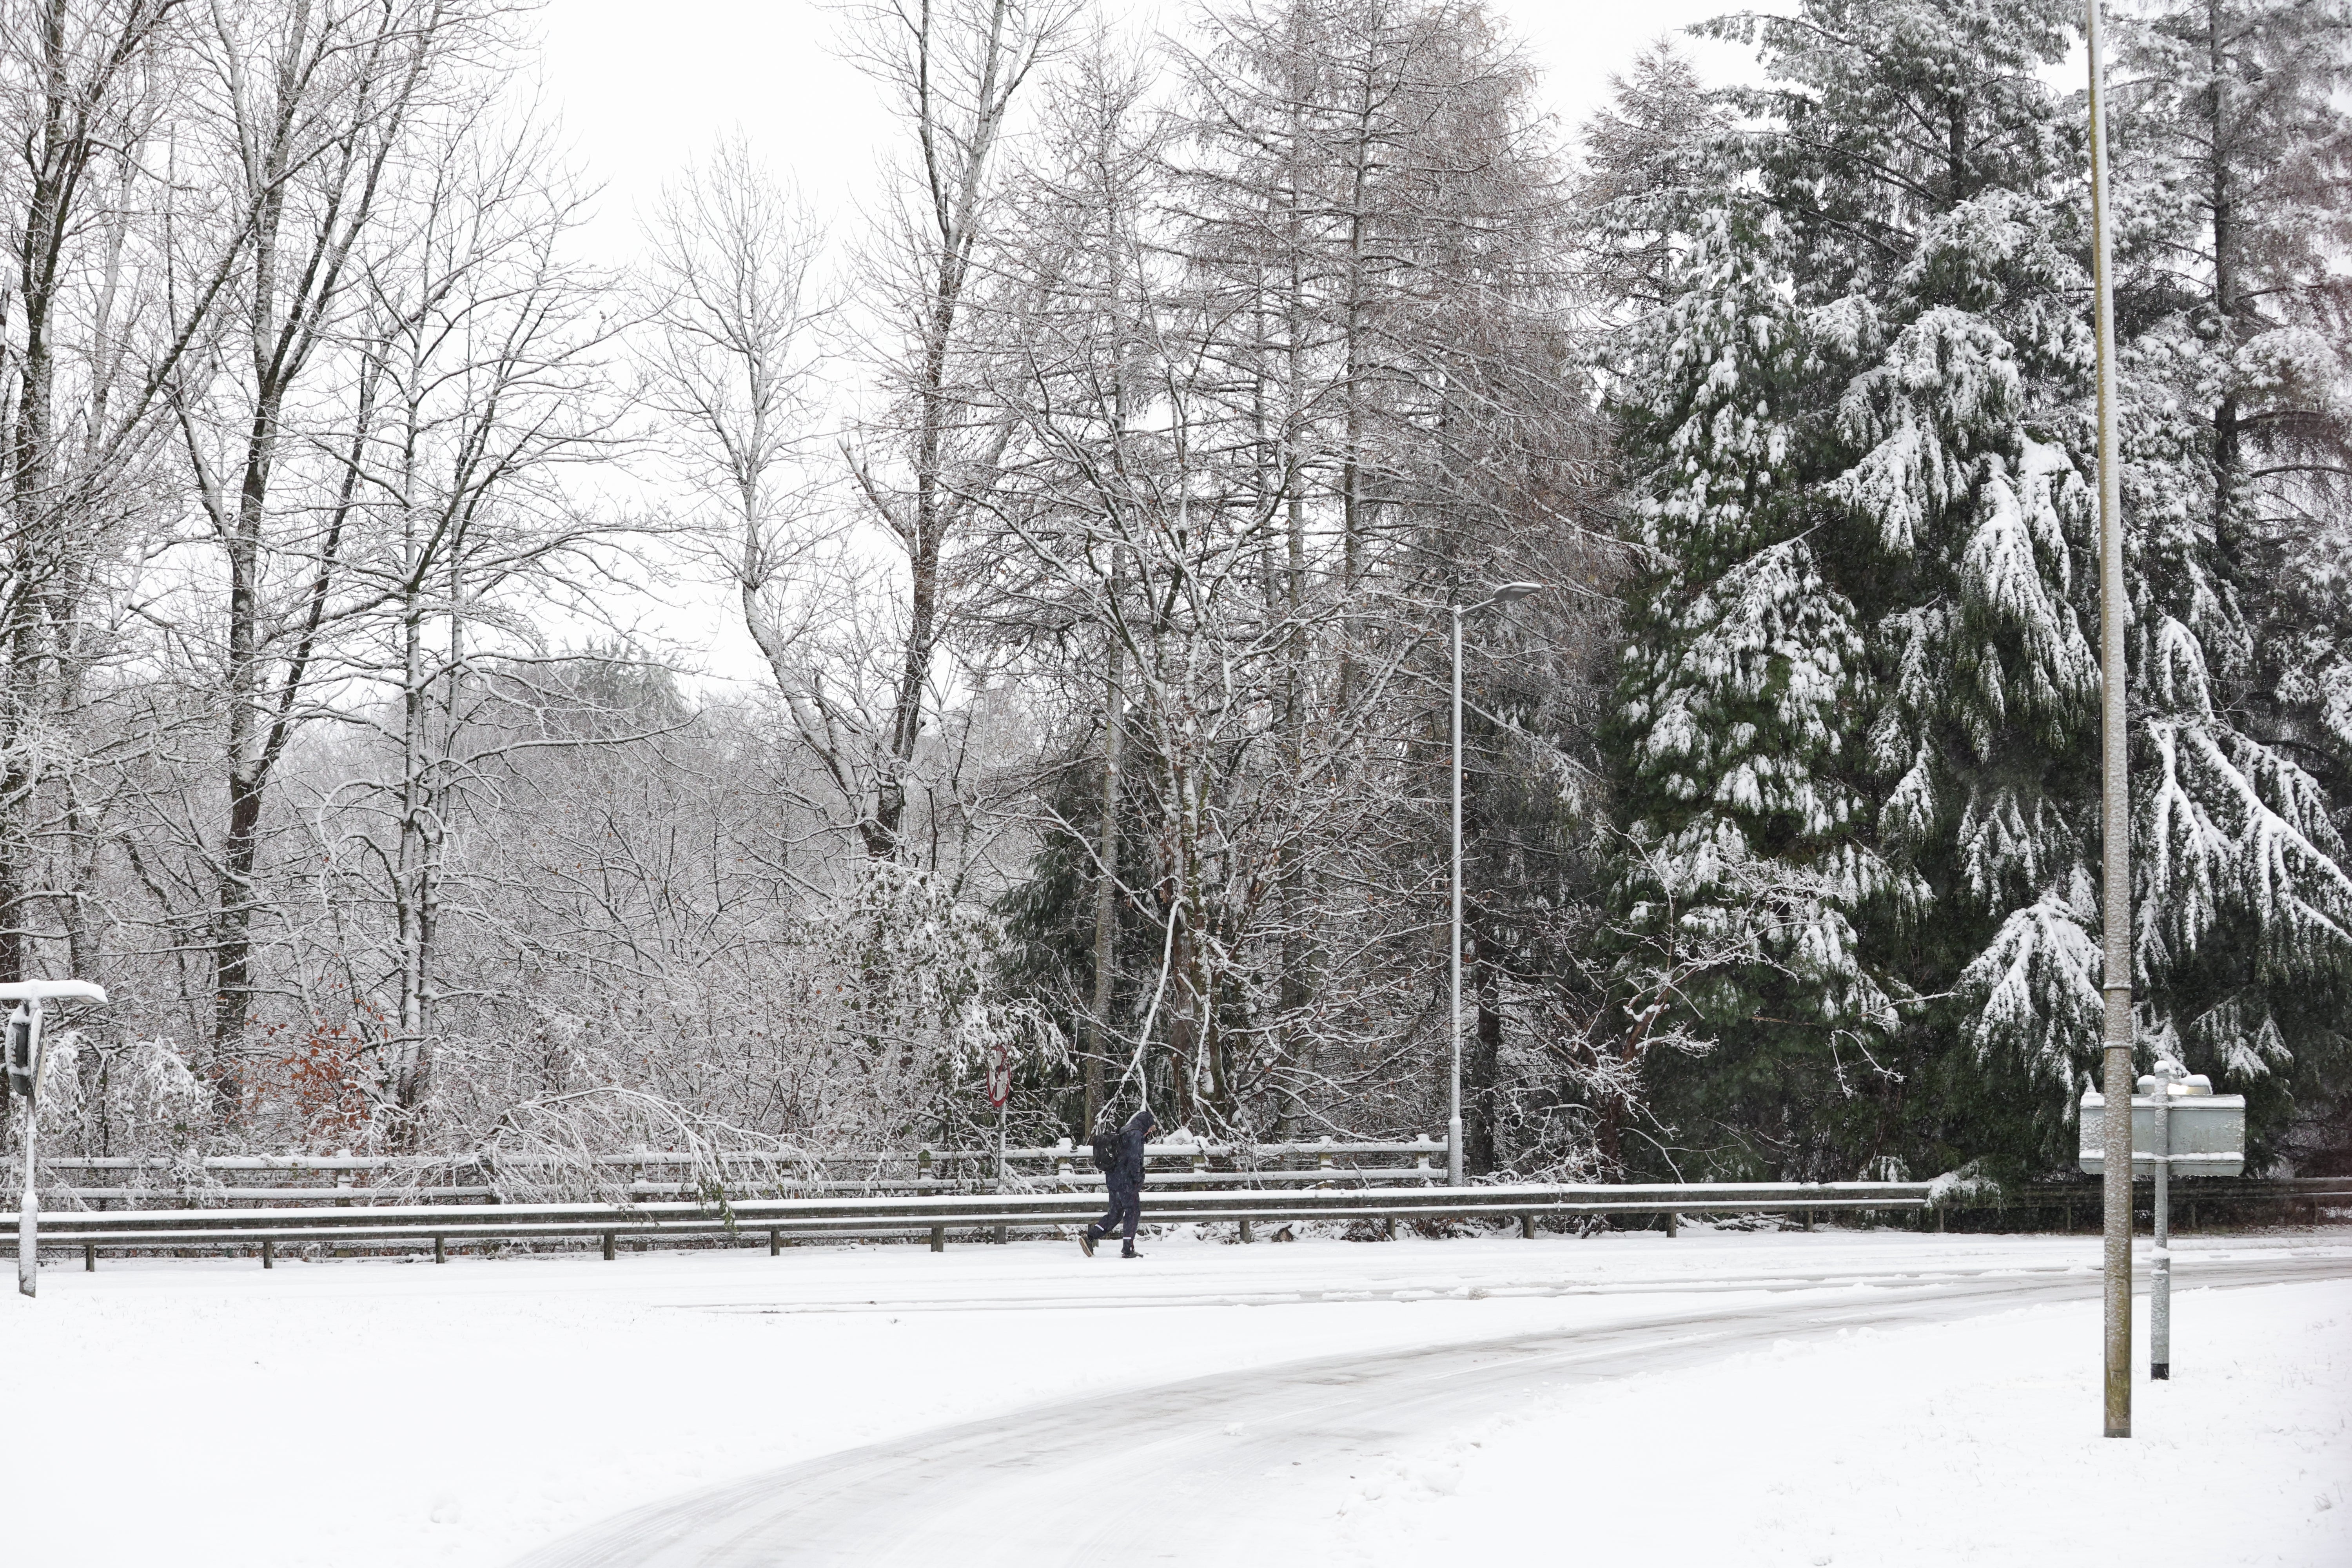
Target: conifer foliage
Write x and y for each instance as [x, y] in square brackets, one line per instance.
[1861, 700]
[2240, 445]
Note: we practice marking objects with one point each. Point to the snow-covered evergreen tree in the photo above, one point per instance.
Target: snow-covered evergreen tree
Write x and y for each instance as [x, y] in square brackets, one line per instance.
[2239, 171]
[1860, 430]
[1740, 683]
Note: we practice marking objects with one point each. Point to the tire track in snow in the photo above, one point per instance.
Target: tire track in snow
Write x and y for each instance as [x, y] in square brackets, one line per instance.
[1047, 1485]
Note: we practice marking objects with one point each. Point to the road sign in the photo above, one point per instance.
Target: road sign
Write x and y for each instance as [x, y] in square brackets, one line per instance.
[2206, 1135]
[24, 1048]
[2179, 1127]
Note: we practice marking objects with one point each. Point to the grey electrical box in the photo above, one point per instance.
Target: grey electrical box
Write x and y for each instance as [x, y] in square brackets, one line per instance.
[2208, 1129]
[22, 1048]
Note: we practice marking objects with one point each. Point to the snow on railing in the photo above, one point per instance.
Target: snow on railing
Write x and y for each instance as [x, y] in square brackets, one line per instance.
[365, 1178]
[1326, 1148]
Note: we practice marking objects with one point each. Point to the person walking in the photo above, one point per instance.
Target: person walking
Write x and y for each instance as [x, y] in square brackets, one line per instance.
[1120, 1157]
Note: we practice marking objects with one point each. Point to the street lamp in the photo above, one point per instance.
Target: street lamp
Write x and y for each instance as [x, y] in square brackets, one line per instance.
[28, 1066]
[2115, 810]
[1508, 594]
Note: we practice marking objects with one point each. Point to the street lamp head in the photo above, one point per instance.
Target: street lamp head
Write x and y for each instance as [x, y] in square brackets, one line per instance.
[52, 990]
[1512, 593]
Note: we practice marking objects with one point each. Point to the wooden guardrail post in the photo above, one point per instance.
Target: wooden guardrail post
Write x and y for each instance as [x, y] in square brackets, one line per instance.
[608, 1247]
[440, 1251]
[268, 1253]
[90, 1257]
[1674, 1224]
[1526, 1227]
[923, 1184]
[775, 1242]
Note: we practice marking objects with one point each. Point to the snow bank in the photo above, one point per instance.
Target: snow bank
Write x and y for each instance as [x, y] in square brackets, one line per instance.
[387, 1415]
[1973, 1443]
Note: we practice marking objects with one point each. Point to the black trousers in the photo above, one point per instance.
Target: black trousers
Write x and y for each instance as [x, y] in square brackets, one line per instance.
[1125, 1208]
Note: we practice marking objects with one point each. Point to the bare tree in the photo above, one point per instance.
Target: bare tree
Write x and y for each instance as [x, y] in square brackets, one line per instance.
[303, 112]
[482, 383]
[733, 306]
[81, 90]
[952, 73]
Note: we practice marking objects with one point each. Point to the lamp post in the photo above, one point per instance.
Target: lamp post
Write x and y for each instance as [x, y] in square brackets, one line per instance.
[2115, 812]
[1508, 594]
[26, 1068]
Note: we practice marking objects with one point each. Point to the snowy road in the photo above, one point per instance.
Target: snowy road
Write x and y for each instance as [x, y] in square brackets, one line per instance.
[1219, 1455]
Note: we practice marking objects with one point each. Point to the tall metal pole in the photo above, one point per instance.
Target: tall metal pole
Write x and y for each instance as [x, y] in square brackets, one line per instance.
[2115, 817]
[1453, 1014]
[28, 1205]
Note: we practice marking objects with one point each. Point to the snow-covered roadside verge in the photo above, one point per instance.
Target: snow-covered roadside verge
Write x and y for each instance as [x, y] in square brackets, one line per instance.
[383, 1414]
[1974, 1443]
[369, 1415]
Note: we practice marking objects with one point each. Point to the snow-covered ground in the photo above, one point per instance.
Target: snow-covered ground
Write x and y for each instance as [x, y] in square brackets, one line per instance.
[368, 1414]
[1972, 1442]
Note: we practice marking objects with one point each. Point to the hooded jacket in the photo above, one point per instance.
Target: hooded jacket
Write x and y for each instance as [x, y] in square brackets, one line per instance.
[1127, 1171]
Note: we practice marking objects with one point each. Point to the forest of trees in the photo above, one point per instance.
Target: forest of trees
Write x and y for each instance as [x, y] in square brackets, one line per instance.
[1096, 502]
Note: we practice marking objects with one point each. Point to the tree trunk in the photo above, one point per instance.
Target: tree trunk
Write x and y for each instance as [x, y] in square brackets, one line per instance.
[1480, 1076]
[2229, 460]
[1097, 1030]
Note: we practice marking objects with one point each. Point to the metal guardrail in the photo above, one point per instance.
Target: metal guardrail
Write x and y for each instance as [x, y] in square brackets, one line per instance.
[2292, 1198]
[151, 1229]
[1422, 1146]
[653, 1191]
[462, 1178]
[346, 1216]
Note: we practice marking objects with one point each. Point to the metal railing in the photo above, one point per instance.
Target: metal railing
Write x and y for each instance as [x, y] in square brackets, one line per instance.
[2283, 1200]
[353, 1180]
[443, 1224]
[946, 1192]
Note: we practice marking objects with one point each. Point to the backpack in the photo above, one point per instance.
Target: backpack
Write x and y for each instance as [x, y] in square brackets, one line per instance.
[1106, 1149]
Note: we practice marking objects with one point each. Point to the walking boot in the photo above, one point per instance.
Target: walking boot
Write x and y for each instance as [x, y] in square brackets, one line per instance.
[1128, 1251]
[1086, 1241]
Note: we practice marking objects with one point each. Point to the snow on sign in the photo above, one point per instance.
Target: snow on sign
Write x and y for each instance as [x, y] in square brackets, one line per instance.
[2207, 1135]
[25, 1061]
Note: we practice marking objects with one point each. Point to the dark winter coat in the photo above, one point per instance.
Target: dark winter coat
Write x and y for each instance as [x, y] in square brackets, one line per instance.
[1126, 1174]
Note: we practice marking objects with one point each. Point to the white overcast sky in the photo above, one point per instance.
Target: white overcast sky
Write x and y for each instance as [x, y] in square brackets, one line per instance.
[644, 86]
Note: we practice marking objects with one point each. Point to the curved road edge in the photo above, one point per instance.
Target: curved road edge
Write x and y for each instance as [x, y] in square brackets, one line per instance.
[1029, 1486]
